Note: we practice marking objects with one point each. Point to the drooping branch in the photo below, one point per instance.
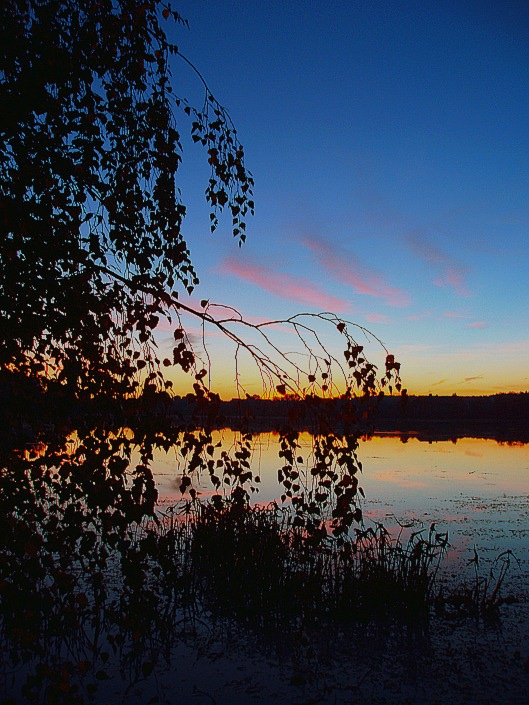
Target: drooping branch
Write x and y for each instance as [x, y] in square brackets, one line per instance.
[282, 374]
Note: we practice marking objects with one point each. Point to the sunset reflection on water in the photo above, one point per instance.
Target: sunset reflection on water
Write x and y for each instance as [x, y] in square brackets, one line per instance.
[476, 489]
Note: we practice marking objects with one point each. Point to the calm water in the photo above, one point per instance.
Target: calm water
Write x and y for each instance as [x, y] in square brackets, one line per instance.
[476, 489]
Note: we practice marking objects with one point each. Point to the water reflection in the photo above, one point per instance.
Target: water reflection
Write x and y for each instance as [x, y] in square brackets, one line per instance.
[415, 472]
[477, 489]
[95, 585]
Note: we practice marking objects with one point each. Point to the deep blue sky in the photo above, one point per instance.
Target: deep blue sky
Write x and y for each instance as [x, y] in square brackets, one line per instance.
[389, 143]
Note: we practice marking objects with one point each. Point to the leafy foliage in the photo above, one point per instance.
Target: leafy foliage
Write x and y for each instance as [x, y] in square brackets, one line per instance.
[92, 246]
[93, 256]
[91, 218]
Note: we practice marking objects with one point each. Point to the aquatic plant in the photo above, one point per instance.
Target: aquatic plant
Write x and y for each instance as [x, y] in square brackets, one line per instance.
[482, 596]
[255, 562]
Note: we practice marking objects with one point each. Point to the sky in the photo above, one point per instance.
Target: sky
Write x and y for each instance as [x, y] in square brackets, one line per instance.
[389, 144]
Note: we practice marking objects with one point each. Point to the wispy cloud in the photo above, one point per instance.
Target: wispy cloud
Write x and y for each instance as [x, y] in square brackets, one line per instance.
[471, 379]
[455, 278]
[419, 316]
[451, 272]
[286, 286]
[411, 349]
[438, 384]
[377, 318]
[343, 268]
[478, 352]
[455, 314]
[478, 324]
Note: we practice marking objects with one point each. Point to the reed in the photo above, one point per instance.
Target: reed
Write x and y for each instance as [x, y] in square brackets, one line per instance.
[254, 562]
[482, 595]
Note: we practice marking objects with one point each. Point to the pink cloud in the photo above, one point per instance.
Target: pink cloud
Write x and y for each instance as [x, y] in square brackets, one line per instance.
[454, 278]
[286, 286]
[419, 316]
[452, 273]
[343, 268]
[454, 314]
[478, 324]
[377, 318]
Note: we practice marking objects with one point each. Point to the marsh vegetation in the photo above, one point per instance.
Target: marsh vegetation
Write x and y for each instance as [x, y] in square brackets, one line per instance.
[99, 587]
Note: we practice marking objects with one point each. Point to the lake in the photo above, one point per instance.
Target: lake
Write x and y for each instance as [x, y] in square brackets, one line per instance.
[476, 489]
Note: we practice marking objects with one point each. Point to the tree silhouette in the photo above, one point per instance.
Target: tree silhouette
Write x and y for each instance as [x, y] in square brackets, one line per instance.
[93, 256]
[91, 218]
[92, 247]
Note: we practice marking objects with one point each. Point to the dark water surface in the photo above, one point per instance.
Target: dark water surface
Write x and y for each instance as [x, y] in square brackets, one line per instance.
[476, 489]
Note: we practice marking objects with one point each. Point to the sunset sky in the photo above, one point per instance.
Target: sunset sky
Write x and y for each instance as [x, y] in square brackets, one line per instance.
[389, 143]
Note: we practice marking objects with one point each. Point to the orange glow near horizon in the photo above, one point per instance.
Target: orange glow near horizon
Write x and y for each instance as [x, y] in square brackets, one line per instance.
[224, 385]
[479, 371]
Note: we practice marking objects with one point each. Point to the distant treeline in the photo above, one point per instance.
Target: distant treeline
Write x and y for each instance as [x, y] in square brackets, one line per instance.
[500, 416]
[24, 406]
